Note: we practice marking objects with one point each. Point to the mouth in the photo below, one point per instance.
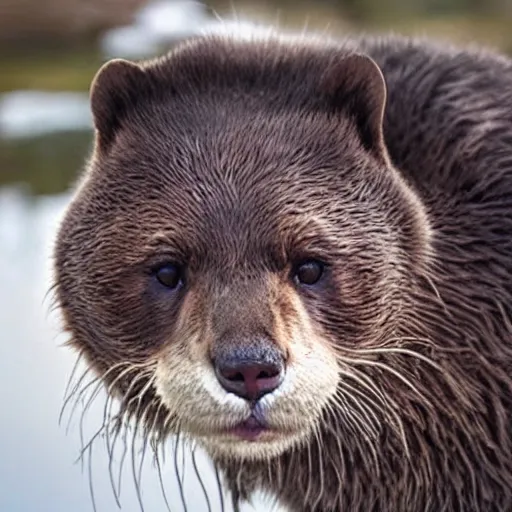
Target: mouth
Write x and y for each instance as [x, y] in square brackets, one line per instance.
[254, 437]
[250, 429]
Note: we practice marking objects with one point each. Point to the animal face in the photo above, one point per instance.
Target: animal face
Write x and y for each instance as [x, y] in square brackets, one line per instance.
[231, 238]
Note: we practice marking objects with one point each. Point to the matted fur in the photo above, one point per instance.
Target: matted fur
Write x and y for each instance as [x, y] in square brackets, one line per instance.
[237, 158]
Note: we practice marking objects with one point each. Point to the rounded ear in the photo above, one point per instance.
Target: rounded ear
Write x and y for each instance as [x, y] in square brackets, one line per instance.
[115, 90]
[356, 86]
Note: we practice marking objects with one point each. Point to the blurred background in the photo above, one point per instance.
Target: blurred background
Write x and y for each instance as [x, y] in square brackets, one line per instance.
[49, 53]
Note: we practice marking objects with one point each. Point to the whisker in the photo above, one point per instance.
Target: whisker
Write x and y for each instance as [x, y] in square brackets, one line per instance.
[334, 465]
[144, 444]
[382, 409]
[219, 487]
[88, 445]
[318, 435]
[160, 479]
[391, 370]
[325, 31]
[98, 384]
[99, 380]
[395, 350]
[365, 382]
[365, 428]
[91, 484]
[134, 472]
[309, 473]
[370, 420]
[123, 457]
[70, 380]
[72, 395]
[85, 409]
[430, 281]
[176, 469]
[183, 446]
[110, 452]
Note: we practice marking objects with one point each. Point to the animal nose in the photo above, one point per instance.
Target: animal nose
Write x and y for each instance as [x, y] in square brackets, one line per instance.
[250, 381]
[250, 377]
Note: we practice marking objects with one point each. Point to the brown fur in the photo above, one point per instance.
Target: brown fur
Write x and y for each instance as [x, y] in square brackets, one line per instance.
[239, 159]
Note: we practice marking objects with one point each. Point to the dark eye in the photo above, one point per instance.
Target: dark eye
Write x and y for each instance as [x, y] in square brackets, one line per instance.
[309, 272]
[169, 275]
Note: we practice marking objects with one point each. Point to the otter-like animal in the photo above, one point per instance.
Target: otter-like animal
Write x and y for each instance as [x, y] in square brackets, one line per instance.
[298, 253]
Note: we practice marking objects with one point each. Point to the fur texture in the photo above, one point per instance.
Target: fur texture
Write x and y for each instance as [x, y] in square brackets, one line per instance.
[390, 161]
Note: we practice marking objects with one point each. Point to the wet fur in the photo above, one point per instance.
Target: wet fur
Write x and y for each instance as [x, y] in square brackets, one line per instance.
[418, 311]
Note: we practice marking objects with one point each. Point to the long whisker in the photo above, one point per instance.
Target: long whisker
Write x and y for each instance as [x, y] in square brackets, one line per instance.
[70, 380]
[176, 468]
[310, 472]
[160, 478]
[69, 397]
[110, 451]
[360, 432]
[111, 420]
[93, 396]
[98, 380]
[383, 409]
[371, 422]
[91, 484]
[144, 444]
[123, 458]
[183, 446]
[219, 487]
[318, 439]
[84, 449]
[395, 350]
[389, 369]
[201, 482]
[134, 471]
[388, 406]
[363, 380]
[357, 414]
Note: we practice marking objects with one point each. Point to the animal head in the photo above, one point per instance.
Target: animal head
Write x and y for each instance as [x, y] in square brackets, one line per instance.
[238, 226]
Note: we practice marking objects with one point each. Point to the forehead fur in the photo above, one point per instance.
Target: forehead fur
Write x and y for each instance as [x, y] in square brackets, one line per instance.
[210, 82]
[286, 72]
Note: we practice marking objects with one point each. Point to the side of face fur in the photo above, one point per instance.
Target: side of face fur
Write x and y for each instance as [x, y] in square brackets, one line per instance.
[236, 162]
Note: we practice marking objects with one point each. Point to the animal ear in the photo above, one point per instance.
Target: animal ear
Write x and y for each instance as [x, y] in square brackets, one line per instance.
[356, 86]
[115, 90]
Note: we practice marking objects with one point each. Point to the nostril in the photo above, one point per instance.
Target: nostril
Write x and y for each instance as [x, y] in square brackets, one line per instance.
[266, 377]
[234, 376]
[249, 380]
[268, 374]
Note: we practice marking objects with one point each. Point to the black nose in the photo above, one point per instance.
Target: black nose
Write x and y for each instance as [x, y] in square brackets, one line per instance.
[250, 372]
